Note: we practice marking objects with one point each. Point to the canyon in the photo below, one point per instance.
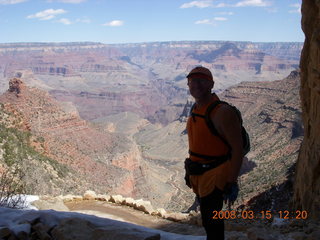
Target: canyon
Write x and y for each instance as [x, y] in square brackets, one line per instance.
[111, 118]
[272, 177]
[145, 78]
[129, 155]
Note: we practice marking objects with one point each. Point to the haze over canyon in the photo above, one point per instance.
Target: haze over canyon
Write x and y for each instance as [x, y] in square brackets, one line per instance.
[111, 118]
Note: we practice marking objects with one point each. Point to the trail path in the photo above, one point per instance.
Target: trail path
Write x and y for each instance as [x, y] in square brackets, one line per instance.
[127, 214]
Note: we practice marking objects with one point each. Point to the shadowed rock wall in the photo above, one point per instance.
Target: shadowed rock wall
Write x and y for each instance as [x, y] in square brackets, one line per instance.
[307, 180]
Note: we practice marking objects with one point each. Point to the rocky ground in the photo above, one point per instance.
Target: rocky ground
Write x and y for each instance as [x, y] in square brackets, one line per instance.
[141, 213]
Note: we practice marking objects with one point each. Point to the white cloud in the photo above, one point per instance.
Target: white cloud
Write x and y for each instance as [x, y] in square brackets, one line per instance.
[204, 21]
[114, 23]
[7, 2]
[297, 8]
[64, 21]
[47, 14]
[84, 20]
[253, 3]
[220, 19]
[225, 13]
[198, 4]
[211, 21]
[222, 5]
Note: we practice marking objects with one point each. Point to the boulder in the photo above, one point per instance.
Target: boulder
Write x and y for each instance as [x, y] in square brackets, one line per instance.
[161, 212]
[41, 231]
[144, 206]
[89, 195]
[73, 228]
[129, 202]
[116, 199]
[103, 197]
[4, 232]
[177, 216]
[22, 231]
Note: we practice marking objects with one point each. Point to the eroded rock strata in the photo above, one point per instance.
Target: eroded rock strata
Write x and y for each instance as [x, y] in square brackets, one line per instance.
[307, 180]
[90, 157]
[145, 78]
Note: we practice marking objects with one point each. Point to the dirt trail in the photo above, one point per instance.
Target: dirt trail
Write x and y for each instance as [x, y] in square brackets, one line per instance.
[127, 214]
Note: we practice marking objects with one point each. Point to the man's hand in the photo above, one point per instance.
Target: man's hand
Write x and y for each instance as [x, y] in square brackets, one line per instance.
[230, 194]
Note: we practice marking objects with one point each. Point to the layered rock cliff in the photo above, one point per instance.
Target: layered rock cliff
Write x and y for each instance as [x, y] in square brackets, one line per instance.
[136, 158]
[93, 159]
[272, 116]
[307, 180]
[144, 78]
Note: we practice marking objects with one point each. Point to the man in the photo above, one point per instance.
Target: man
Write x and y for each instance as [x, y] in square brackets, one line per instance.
[214, 163]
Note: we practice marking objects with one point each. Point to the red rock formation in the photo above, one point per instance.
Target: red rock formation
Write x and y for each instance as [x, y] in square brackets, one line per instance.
[144, 78]
[103, 161]
[272, 116]
[307, 181]
[16, 86]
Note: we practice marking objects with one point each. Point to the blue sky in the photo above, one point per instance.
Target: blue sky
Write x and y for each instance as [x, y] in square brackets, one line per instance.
[128, 21]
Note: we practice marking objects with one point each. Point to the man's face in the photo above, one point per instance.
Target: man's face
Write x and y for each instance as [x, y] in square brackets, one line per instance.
[199, 87]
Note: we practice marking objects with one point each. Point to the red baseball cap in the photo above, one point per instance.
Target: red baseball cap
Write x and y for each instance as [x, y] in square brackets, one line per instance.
[202, 72]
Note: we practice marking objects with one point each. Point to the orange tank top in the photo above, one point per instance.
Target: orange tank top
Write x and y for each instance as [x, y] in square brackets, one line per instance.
[202, 141]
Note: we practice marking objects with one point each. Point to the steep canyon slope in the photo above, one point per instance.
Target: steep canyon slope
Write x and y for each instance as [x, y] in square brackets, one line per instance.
[272, 116]
[134, 97]
[307, 179]
[89, 158]
[144, 78]
[126, 154]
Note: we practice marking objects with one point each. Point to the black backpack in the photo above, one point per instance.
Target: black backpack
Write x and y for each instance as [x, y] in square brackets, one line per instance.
[213, 130]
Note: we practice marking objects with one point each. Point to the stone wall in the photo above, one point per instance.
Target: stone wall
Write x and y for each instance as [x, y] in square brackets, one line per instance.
[307, 179]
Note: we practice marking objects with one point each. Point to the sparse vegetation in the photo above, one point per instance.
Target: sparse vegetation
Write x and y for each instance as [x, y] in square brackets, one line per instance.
[41, 174]
[16, 149]
[12, 188]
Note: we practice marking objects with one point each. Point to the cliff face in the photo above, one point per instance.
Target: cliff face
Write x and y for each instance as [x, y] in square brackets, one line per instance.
[272, 116]
[307, 182]
[144, 78]
[99, 160]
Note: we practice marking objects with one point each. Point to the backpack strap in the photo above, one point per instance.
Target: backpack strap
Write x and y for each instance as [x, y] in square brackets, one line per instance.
[210, 124]
[244, 133]
[193, 115]
[213, 130]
